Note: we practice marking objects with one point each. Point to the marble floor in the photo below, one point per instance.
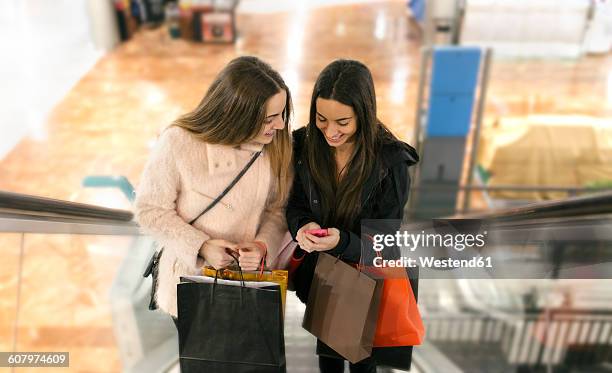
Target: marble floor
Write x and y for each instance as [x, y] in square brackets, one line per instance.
[55, 296]
[108, 121]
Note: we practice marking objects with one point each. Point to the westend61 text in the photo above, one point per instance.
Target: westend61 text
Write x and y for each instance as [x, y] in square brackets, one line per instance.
[432, 262]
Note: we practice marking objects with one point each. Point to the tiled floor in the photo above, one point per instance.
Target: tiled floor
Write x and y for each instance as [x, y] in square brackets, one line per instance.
[299, 344]
[107, 122]
[55, 292]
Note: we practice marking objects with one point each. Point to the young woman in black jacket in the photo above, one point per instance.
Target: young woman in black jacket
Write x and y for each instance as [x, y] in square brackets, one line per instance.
[348, 167]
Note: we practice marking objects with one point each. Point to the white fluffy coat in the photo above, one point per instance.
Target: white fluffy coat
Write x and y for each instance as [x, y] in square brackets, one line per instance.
[181, 178]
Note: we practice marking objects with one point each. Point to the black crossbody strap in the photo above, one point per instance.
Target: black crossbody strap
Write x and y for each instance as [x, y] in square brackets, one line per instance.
[229, 187]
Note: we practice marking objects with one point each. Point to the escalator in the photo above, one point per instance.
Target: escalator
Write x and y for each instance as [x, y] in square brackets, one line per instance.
[71, 281]
[549, 309]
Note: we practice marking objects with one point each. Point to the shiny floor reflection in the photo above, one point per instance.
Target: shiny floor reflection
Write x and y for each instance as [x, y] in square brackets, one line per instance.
[108, 121]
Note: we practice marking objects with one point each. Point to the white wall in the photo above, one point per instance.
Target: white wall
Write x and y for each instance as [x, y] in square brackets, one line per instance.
[47, 47]
[527, 28]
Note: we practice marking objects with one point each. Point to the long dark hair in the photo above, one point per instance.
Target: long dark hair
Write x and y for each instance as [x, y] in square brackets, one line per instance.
[350, 83]
[234, 109]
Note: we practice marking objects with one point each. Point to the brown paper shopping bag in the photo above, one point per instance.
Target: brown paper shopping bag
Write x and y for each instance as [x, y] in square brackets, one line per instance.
[342, 308]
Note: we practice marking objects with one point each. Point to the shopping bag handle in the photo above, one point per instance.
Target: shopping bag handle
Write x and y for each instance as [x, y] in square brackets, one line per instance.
[262, 245]
[361, 265]
[361, 262]
[357, 266]
[242, 284]
[233, 255]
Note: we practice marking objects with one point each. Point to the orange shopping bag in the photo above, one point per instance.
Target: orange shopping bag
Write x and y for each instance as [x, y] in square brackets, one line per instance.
[399, 320]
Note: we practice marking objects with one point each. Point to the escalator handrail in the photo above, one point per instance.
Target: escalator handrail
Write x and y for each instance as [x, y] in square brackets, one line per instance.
[17, 203]
[593, 204]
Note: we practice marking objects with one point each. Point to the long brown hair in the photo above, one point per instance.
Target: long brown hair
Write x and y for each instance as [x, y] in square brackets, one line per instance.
[350, 83]
[234, 109]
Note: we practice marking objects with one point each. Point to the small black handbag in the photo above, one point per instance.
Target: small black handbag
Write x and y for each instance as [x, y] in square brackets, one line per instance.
[152, 268]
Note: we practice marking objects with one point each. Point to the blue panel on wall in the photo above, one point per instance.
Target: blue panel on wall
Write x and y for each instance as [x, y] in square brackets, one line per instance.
[449, 115]
[453, 85]
[455, 69]
[418, 9]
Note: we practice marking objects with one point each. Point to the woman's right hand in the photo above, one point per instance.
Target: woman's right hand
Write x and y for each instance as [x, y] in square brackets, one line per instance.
[214, 251]
[305, 243]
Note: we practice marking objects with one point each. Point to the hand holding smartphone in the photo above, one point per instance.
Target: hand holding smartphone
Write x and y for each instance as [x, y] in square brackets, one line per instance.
[322, 232]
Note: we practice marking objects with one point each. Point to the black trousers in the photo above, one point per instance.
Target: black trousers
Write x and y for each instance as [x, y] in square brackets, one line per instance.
[333, 365]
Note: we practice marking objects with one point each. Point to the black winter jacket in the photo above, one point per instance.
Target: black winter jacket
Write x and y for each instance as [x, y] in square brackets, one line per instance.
[384, 195]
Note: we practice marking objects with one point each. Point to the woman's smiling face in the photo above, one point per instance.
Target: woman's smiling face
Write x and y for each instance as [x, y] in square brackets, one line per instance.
[336, 122]
[274, 121]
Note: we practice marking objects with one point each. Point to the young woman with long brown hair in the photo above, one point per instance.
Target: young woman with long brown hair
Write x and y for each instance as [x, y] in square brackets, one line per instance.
[348, 167]
[246, 110]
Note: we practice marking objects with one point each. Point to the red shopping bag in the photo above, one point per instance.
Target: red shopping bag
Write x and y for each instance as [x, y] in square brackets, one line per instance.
[399, 320]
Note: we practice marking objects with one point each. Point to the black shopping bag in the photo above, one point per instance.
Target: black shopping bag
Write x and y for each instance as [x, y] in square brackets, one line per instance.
[230, 326]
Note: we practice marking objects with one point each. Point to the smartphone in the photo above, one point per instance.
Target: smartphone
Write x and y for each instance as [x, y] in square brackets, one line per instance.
[318, 232]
